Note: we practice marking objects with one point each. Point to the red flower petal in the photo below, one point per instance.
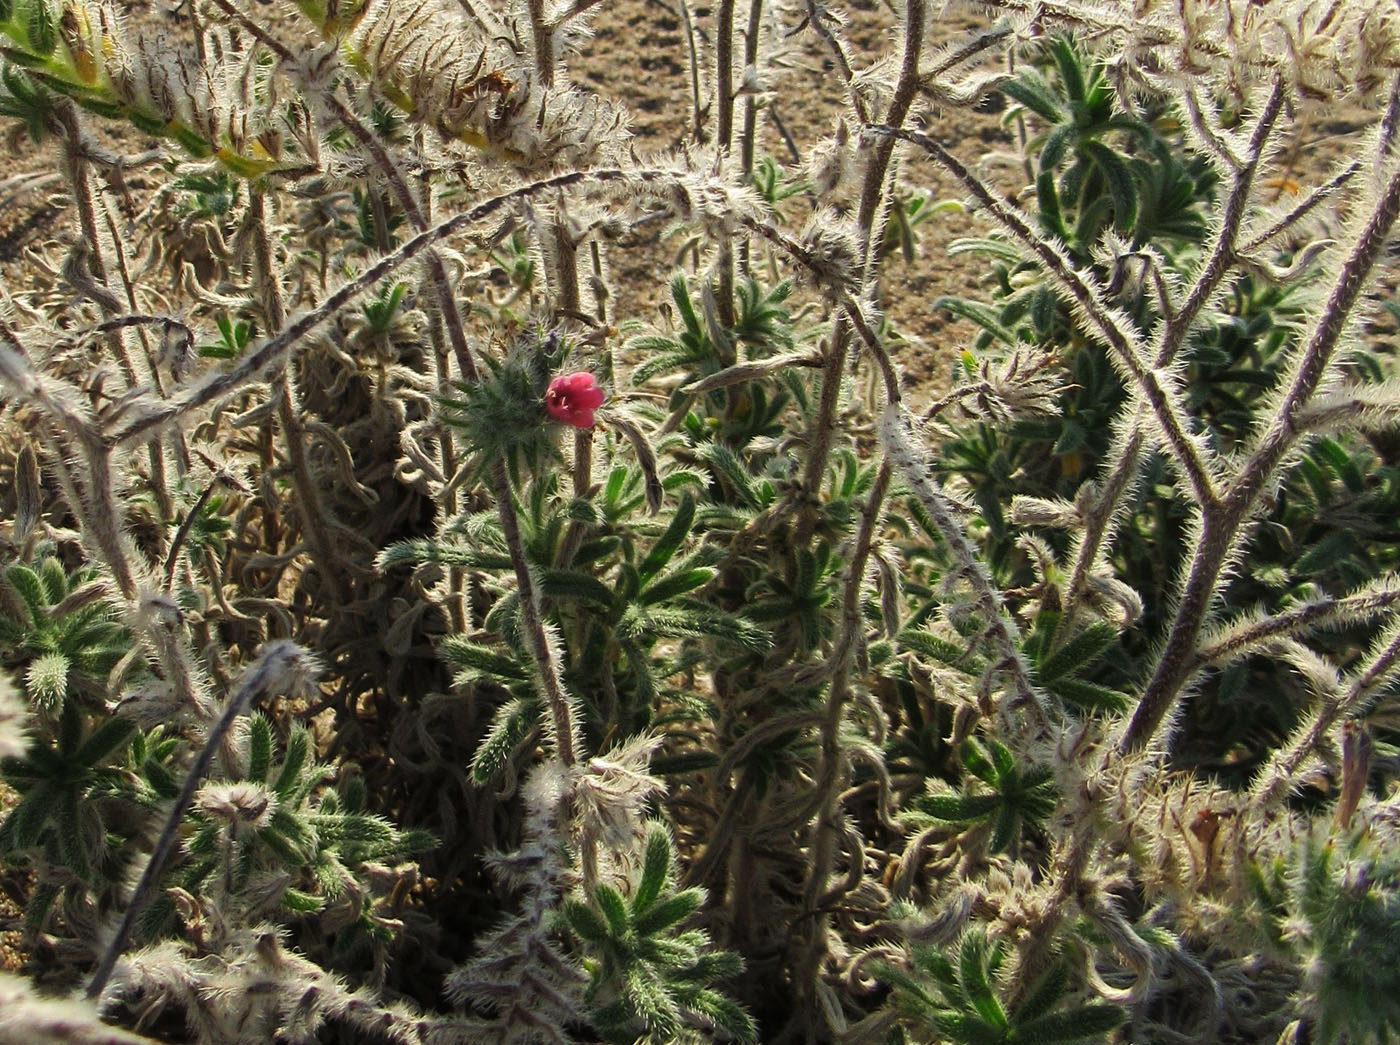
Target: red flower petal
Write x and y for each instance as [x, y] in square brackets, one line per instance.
[572, 398]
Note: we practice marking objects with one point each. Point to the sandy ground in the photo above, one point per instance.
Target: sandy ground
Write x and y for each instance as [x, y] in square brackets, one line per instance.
[638, 55]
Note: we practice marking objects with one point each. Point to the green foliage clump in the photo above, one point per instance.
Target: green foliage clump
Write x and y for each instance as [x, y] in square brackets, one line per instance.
[961, 999]
[650, 980]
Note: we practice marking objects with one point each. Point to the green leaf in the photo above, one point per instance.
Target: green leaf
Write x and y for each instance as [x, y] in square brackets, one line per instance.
[1002, 759]
[957, 809]
[653, 1004]
[298, 753]
[162, 780]
[300, 902]
[106, 739]
[1119, 179]
[513, 722]
[680, 294]
[68, 826]
[726, 1014]
[670, 540]
[972, 973]
[1089, 695]
[1032, 90]
[951, 653]
[614, 909]
[26, 582]
[984, 316]
[1071, 69]
[975, 762]
[671, 585]
[655, 866]
[458, 650]
[41, 27]
[259, 749]
[1078, 652]
[580, 587]
[25, 823]
[667, 912]
[417, 552]
[585, 923]
[1044, 996]
[1052, 218]
[1091, 1021]
[1056, 145]
[1007, 829]
[54, 579]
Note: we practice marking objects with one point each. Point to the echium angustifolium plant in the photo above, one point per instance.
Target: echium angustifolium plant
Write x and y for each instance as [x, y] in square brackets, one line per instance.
[408, 635]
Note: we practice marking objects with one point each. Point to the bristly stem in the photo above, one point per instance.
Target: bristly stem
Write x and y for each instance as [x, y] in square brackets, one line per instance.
[1127, 460]
[540, 648]
[533, 626]
[899, 446]
[85, 199]
[832, 762]
[1222, 253]
[875, 194]
[542, 34]
[309, 505]
[1224, 522]
[277, 662]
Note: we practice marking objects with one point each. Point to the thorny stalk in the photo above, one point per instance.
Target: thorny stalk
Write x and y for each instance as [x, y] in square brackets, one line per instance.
[1223, 522]
[280, 666]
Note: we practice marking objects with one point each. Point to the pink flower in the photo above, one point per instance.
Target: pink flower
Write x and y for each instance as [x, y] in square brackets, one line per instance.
[572, 398]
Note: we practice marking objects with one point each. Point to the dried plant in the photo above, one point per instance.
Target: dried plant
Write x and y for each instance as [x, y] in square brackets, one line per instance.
[395, 649]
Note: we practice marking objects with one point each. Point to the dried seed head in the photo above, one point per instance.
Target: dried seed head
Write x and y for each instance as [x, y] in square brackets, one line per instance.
[243, 802]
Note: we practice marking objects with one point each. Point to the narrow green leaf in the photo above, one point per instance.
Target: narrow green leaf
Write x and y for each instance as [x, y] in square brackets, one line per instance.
[580, 587]
[259, 749]
[670, 540]
[1091, 1021]
[462, 652]
[1052, 218]
[1119, 179]
[975, 761]
[667, 912]
[585, 923]
[513, 722]
[614, 909]
[26, 582]
[417, 552]
[1078, 652]
[300, 902]
[1035, 93]
[957, 809]
[655, 866]
[673, 584]
[1044, 996]
[106, 739]
[1089, 696]
[69, 829]
[1071, 69]
[984, 316]
[973, 975]
[298, 753]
